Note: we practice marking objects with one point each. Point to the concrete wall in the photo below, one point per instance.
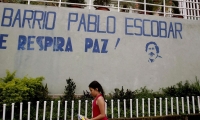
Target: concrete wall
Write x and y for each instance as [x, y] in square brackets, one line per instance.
[110, 47]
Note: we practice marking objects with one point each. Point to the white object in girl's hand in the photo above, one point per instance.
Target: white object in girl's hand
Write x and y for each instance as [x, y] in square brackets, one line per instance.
[80, 117]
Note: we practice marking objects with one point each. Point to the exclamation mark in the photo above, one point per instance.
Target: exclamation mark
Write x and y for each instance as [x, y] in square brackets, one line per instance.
[117, 42]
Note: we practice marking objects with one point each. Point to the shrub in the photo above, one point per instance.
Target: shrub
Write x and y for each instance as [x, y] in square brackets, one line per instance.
[183, 89]
[16, 90]
[69, 92]
[69, 95]
[24, 89]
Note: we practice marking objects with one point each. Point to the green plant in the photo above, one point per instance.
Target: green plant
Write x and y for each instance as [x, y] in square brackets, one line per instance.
[75, 1]
[69, 92]
[16, 90]
[126, 5]
[86, 96]
[148, 7]
[168, 3]
[69, 95]
[183, 89]
[26, 89]
[9, 77]
[176, 10]
[121, 94]
[155, 8]
[143, 92]
[102, 2]
[12, 1]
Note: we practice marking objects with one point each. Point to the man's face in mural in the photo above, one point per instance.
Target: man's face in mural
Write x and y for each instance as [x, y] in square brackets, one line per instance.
[151, 50]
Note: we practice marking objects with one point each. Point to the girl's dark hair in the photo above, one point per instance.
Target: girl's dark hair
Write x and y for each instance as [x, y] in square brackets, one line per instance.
[94, 85]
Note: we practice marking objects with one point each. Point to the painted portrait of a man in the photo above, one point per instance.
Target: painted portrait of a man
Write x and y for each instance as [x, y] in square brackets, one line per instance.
[152, 50]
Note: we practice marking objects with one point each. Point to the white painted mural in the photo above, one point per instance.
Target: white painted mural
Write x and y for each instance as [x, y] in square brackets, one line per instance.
[117, 49]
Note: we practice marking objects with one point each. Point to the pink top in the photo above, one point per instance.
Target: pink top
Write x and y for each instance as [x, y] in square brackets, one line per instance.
[96, 110]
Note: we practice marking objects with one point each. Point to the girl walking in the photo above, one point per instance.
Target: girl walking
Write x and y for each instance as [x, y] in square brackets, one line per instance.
[98, 105]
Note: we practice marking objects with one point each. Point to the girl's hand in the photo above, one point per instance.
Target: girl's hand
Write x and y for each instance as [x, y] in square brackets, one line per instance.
[86, 118]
